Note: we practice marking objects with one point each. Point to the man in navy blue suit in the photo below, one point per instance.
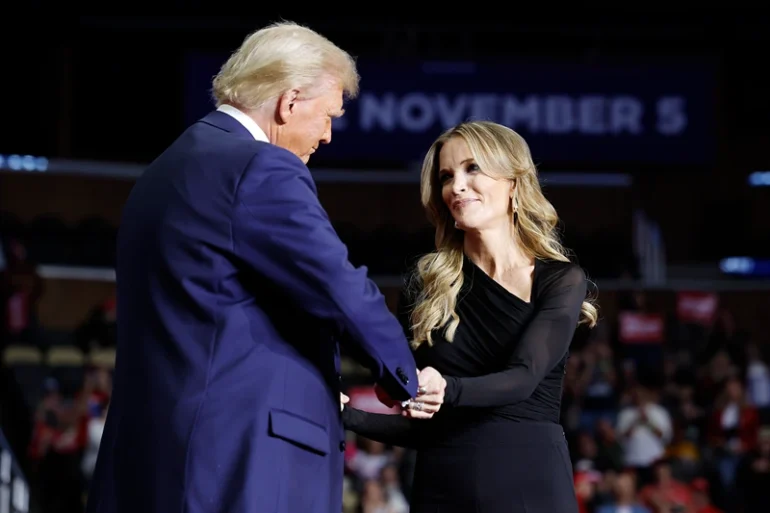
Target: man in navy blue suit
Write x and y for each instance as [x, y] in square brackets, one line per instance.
[233, 291]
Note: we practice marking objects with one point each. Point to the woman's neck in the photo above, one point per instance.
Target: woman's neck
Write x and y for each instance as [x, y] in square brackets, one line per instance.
[495, 251]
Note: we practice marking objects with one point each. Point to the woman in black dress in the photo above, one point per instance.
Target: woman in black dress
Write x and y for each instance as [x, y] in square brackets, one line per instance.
[494, 311]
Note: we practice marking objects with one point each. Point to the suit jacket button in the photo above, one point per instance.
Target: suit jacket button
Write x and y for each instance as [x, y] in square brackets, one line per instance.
[342, 446]
[402, 376]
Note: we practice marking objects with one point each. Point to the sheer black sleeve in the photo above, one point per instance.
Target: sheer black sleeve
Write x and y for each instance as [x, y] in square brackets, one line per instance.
[406, 299]
[390, 429]
[544, 343]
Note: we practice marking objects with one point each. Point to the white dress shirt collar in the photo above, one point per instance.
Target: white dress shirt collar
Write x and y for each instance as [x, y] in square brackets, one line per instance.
[245, 120]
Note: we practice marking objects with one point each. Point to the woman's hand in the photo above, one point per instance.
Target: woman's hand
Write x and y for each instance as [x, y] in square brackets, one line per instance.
[430, 395]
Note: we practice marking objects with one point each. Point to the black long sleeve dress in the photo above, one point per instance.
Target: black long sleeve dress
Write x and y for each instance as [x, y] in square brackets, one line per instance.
[496, 445]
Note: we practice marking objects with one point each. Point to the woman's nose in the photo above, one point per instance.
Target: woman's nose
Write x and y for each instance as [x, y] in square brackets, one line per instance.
[459, 183]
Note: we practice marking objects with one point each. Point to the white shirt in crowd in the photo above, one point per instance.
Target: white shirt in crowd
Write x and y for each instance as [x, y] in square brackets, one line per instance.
[95, 431]
[643, 446]
[368, 466]
[758, 384]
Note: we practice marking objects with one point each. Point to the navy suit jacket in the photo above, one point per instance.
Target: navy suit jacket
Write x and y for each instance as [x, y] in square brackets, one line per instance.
[232, 291]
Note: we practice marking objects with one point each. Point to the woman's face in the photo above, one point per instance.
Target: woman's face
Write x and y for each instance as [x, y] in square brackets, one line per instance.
[476, 200]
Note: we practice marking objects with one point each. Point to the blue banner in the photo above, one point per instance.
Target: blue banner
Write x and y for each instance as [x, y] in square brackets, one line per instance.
[567, 112]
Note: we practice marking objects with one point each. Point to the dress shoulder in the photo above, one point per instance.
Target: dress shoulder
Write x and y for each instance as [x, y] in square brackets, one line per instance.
[556, 274]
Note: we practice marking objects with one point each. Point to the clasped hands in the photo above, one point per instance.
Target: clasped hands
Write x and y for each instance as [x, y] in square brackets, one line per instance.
[430, 395]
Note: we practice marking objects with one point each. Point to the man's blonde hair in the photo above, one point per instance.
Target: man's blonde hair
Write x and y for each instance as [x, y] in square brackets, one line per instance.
[278, 58]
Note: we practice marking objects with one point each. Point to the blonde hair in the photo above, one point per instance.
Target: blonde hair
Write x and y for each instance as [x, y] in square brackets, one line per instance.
[278, 58]
[501, 153]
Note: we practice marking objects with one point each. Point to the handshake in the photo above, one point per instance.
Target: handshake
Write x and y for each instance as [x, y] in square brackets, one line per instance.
[430, 395]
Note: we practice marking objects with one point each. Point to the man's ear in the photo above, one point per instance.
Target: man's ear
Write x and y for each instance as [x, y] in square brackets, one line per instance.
[285, 106]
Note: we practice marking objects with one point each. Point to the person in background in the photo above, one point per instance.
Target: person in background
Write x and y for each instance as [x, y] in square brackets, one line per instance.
[758, 382]
[701, 499]
[753, 476]
[100, 329]
[20, 290]
[732, 430]
[625, 500]
[94, 432]
[645, 429]
[666, 494]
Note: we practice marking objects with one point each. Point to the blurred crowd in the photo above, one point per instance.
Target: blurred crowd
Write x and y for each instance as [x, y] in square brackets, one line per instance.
[65, 441]
[663, 413]
[678, 428]
[66, 399]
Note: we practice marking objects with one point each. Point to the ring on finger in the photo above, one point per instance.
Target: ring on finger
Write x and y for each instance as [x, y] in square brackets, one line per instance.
[416, 405]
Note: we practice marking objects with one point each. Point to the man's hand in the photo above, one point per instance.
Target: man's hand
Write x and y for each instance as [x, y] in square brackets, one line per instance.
[430, 395]
[343, 401]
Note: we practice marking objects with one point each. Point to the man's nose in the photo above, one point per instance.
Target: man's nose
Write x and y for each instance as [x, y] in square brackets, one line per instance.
[326, 138]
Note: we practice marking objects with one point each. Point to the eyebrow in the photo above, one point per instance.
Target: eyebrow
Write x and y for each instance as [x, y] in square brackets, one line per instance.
[445, 170]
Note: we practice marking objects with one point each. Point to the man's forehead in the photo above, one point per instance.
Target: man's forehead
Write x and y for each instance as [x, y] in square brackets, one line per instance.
[337, 98]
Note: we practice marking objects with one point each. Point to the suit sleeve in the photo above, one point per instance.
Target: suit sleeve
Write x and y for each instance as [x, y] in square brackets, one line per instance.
[281, 230]
[544, 343]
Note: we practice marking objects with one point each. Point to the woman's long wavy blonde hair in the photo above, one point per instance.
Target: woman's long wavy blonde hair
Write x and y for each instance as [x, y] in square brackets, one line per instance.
[438, 278]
